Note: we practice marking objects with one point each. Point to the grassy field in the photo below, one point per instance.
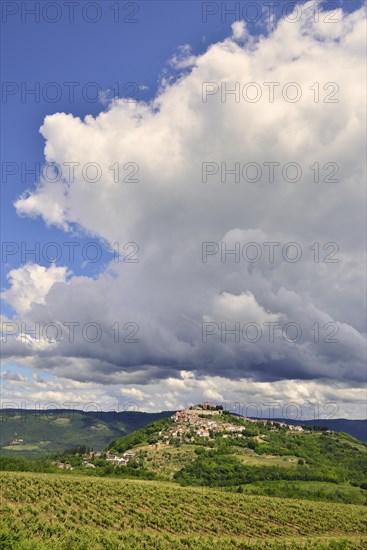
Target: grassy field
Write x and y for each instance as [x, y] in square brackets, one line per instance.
[71, 512]
[166, 459]
[247, 456]
[310, 490]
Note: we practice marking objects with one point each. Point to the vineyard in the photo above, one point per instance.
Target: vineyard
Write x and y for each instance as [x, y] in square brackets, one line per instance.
[41, 511]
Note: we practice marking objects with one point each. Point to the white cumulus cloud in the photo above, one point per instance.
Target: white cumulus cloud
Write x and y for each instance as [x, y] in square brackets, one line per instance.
[170, 211]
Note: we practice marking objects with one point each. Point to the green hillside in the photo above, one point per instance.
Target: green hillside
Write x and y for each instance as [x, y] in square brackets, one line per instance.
[42, 511]
[199, 479]
[211, 448]
[261, 457]
[34, 434]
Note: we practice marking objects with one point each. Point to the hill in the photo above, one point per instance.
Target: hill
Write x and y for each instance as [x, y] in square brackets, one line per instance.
[36, 433]
[215, 448]
[199, 478]
[356, 428]
[42, 511]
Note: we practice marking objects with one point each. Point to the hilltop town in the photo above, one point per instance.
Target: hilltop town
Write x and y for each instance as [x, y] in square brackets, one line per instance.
[204, 420]
[202, 424]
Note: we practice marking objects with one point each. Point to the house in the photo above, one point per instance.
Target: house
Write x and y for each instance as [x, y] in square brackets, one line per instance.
[178, 416]
[129, 454]
[218, 428]
[64, 466]
[295, 428]
[116, 460]
[88, 464]
[203, 433]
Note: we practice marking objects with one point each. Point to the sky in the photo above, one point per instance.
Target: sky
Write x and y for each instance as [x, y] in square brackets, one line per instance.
[183, 206]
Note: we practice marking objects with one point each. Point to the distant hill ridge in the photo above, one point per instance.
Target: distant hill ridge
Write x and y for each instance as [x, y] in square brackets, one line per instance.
[356, 428]
[34, 433]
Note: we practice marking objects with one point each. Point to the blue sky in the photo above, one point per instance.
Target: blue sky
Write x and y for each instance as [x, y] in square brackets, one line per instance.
[107, 52]
[103, 52]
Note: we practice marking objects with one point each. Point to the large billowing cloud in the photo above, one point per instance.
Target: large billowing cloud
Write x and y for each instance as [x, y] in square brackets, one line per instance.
[170, 296]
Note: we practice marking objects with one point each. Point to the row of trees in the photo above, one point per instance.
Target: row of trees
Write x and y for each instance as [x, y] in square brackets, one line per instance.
[214, 468]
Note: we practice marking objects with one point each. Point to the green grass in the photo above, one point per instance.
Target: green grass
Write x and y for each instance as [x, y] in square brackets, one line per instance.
[20, 448]
[63, 512]
[247, 456]
[310, 490]
[166, 460]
